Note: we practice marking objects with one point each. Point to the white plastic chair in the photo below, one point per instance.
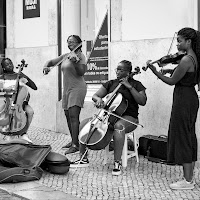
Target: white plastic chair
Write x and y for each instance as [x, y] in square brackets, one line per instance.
[126, 154]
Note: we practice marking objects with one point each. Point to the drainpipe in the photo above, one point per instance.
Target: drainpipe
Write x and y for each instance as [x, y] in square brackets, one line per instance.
[59, 36]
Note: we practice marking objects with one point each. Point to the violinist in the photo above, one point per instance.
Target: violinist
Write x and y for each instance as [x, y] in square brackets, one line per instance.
[74, 87]
[182, 141]
[8, 76]
[134, 92]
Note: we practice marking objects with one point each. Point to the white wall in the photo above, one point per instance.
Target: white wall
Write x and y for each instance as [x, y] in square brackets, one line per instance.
[150, 19]
[31, 32]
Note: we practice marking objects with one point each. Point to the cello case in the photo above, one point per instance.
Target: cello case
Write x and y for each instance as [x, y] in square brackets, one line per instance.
[20, 162]
[56, 163]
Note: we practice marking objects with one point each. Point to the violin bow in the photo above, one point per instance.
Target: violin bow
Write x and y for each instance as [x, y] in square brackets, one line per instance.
[156, 61]
[50, 68]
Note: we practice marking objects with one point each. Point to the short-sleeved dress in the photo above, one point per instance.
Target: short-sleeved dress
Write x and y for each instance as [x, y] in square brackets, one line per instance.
[74, 86]
[182, 141]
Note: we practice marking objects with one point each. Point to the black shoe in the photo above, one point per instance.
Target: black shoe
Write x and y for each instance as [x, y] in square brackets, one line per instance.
[117, 170]
[80, 163]
[68, 145]
[72, 149]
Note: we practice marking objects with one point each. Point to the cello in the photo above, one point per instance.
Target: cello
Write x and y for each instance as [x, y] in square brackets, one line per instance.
[13, 118]
[97, 133]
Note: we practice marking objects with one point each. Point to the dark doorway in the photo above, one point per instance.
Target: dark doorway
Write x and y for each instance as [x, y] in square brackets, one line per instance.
[2, 30]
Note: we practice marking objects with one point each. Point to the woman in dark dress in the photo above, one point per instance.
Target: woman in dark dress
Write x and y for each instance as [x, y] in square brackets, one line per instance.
[182, 141]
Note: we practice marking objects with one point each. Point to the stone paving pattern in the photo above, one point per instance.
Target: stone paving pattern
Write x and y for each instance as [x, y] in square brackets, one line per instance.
[144, 180]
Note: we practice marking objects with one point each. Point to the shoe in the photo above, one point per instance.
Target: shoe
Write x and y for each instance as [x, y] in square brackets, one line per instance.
[25, 137]
[68, 145]
[117, 168]
[182, 185]
[80, 163]
[72, 149]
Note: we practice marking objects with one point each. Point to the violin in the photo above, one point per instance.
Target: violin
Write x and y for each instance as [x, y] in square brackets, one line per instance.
[13, 119]
[173, 59]
[72, 56]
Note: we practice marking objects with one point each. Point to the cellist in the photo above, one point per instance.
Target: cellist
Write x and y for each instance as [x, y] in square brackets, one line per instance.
[8, 76]
[133, 91]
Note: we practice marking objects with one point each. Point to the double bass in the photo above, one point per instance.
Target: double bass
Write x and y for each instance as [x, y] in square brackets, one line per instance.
[97, 133]
[13, 118]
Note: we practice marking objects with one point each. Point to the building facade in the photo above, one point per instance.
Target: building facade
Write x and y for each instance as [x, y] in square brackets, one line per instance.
[138, 30]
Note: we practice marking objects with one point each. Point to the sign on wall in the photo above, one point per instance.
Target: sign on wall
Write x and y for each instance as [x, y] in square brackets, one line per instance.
[97, 64]
[31, 8]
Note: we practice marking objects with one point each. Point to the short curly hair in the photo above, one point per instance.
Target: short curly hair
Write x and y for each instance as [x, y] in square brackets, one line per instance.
[128, 64]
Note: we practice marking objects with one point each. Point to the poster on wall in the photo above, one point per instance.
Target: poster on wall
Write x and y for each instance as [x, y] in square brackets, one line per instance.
[97, 63]
[31, 8]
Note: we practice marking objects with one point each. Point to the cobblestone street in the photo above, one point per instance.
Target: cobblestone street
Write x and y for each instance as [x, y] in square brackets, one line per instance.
[146, 180]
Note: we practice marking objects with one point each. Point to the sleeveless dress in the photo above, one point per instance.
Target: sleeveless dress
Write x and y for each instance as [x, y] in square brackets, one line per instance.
[74, 86]
[182, 141]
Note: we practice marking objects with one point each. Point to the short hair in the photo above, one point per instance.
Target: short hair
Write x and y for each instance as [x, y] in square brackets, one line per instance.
[128, 64]
[76, 37]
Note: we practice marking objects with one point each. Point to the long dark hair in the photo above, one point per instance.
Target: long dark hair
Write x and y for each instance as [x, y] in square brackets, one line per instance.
[190, 33]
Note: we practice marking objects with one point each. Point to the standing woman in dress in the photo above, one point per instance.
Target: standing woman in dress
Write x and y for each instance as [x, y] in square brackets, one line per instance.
[182, 141]
[74, 87]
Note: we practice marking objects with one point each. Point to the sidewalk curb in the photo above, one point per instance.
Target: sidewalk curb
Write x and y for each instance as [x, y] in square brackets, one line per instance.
[12, 193]
[34, 191]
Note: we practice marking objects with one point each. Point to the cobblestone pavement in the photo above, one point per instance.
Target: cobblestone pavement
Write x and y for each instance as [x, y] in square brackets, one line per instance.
[146, 180]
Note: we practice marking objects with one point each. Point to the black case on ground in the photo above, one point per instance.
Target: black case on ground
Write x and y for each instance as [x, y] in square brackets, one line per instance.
[154, 148]
[56, 163]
